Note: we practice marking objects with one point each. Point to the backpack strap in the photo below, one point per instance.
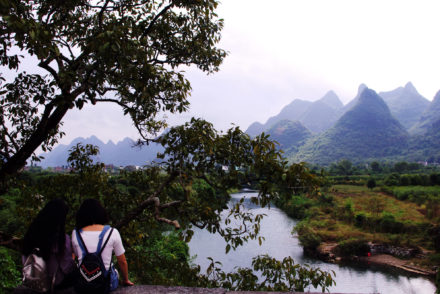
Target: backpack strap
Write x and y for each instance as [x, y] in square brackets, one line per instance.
[101, 236]
[81, 242]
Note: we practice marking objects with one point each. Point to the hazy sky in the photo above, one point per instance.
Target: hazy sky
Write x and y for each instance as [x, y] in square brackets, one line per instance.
[286, 49]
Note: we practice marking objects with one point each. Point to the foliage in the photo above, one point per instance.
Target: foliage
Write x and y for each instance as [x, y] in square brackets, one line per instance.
[10, 276]
[129, 53]
[188, 187]
[9, 223]
[308, 238]
[276, 275]
[392, 180]
[371, 183]
[162, 259]
[296, 207]
[289, 134]
[351, 247]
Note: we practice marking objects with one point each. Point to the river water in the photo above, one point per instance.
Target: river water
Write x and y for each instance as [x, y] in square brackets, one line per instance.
[276, 227]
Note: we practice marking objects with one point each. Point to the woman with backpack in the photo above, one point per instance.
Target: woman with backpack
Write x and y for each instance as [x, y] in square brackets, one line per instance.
[46, 239]
[94, 243]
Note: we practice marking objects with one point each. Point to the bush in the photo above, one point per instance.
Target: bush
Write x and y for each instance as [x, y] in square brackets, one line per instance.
[371, 183]
[327, 199]
[392, 180]
[308, 238]
[353, 247]
[405, 180]
[167, 259]
[296, 207]
[434, 179]
[389, 224]
[360, 219]
[10, 276]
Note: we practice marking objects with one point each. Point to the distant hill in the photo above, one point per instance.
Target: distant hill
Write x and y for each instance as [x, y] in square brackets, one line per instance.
[367, 130]
[290, 134]
[316, 116]
[120, 154]
[406, 104]
[292, 111]
[255, 129]
[322, 114]
[428, 118]
[425, 140]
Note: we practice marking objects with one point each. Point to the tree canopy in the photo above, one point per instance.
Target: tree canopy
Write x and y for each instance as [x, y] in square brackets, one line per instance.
[127, 52]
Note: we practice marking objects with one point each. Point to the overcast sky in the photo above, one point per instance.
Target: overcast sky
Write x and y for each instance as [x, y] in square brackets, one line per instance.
[286, 49]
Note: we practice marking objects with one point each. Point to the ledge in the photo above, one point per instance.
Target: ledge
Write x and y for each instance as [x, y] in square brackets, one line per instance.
[151, 289]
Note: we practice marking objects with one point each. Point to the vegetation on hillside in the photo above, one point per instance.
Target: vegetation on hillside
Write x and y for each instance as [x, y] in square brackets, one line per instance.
[401, 209]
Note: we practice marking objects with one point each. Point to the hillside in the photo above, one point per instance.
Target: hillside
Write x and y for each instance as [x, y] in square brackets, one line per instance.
[428, 118]
[122, 153]
[323, 113]
[425, 142]
[289, 134]
[367, 130]
[406, 104]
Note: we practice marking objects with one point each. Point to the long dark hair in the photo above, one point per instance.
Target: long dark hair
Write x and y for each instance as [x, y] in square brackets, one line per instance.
[47, 230]
[89, 213]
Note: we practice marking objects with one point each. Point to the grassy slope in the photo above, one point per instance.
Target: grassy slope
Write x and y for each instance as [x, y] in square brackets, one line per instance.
[336, 223]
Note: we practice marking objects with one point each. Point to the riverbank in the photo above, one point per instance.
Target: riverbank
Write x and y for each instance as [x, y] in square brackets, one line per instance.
[328, 253]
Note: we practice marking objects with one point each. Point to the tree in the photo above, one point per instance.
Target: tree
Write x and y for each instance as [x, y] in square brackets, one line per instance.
[371, 183]
[401, 166]
[375, 166]
[126, 52]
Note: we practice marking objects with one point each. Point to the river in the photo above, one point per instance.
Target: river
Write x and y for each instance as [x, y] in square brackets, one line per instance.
[276, 227]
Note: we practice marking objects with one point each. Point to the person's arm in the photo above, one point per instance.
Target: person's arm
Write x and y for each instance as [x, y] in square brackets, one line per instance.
[123, 266]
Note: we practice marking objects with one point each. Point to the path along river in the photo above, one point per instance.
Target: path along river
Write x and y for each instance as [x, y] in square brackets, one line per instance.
[276, 227]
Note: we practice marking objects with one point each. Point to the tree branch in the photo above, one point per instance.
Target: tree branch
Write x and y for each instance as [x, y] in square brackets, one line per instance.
[45, 65]
[153, 22]
[10, 242]
[101, 13]
[153, 199]
[112, 101]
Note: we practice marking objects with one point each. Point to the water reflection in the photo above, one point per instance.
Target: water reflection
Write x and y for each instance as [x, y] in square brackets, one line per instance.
[276, 227]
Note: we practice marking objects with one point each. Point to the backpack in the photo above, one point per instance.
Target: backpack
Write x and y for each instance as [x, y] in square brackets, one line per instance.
[35, 274]
[93, 276]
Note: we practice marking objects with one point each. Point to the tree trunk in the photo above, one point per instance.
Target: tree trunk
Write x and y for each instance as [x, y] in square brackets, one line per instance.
[18, 160]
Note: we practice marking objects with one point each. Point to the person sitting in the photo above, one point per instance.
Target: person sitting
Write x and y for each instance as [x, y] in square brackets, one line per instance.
[90, 221]
[46, 238]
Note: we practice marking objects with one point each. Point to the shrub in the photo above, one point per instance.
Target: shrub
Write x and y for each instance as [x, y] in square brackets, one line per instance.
[308, 238]
[371, 183]
[434, 179]
[389, 224]
[360, 219]
[405, 180]
[296, 207]
[416, 180]
[327, 199]
[10, 277]
[392, 180]
[352, 247]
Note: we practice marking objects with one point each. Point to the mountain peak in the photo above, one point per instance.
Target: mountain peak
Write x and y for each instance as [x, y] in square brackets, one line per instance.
[332, 100]
[436, 98]
[371, 100]
[361, 88]
[410, 87]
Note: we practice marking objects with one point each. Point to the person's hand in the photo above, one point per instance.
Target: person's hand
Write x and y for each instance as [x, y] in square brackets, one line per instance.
[127, 283]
